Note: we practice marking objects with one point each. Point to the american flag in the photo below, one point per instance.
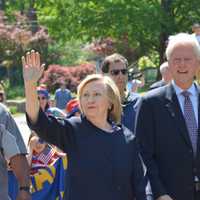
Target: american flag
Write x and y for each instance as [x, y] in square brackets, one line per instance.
[46, 155]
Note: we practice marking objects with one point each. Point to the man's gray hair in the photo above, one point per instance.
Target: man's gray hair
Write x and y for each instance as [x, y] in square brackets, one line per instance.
[163, 67]
[182, 38]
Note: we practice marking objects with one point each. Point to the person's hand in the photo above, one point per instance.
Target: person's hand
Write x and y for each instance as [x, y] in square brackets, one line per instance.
[32, 68]
[164, 197]
[23, 195]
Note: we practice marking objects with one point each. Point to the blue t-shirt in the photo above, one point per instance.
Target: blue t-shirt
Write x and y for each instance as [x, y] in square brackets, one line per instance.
[62, 97]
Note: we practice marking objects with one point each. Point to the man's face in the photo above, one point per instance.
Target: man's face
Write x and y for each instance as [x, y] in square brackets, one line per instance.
[62, 86]
[118, 72]
[183, 64]
[197, 31]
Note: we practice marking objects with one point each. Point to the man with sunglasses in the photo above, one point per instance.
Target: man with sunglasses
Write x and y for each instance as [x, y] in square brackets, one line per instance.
[116, 67]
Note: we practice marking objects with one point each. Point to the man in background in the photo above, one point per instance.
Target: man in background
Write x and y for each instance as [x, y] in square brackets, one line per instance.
[116, 66]
[196, 31]
[166, 76]
[62, 96]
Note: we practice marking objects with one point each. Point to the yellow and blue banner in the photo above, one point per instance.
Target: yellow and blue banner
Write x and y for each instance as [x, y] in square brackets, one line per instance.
[48, 182]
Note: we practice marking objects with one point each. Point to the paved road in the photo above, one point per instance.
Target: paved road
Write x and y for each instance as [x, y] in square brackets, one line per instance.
[21, 122]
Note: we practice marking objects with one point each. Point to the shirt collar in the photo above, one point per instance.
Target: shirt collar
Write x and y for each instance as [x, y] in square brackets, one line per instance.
[178, 90]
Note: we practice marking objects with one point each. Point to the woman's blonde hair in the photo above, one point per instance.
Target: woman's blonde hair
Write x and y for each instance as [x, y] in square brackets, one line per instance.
[112, 93]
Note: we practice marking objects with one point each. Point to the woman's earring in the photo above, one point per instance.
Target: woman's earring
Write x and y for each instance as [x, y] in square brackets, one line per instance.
[110, 108]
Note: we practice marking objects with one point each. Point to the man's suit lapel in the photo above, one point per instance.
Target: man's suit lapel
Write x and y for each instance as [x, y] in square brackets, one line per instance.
[173, 107]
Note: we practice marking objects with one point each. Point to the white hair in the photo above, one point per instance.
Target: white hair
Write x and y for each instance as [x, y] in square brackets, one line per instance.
[182, 39]
[163, 67]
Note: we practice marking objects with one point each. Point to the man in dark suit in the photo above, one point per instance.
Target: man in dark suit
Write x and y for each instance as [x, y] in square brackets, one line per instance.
[166, 76]
[167, 126]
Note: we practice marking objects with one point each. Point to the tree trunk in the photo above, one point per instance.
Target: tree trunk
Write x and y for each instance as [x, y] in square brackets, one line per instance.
[164, 34]
[32, 16]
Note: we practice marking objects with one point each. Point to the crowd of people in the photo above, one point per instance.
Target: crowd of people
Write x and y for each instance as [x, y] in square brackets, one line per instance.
[107, 143]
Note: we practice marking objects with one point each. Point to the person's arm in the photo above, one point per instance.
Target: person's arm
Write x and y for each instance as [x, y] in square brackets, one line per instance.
[32, 71]
[11, 126]
[13, 153]
[145, 129]
[53, 131]
[138, 175]
[20, 168]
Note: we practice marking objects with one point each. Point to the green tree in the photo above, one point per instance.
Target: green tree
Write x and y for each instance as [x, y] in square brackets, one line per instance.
[143, 25]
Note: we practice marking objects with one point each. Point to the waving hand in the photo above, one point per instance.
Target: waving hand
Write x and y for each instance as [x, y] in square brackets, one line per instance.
[32, 71]
[32, 68]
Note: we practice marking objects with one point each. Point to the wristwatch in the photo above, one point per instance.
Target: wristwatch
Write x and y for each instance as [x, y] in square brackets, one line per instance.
[25, 188]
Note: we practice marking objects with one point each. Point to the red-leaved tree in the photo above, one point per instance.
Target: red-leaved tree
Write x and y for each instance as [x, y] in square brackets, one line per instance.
[72, 75]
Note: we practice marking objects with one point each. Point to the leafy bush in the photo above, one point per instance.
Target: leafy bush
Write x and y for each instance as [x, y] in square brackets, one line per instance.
[72, 75]
[15, 39]
[15, 92]
[67, 53]
[12, 92]
[145, 62]
[13, 109]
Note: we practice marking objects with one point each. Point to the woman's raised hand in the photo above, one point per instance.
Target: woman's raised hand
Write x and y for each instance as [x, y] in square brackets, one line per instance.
[32, 68]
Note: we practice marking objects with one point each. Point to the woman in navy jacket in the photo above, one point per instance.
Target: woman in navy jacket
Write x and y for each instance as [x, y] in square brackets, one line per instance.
[103, 159]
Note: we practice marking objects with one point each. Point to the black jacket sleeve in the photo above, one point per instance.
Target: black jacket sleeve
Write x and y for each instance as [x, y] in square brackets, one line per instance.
[145, 132]
[138, 175]
[55, 131]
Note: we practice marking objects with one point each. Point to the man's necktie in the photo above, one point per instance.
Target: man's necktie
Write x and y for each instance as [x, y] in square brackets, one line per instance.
[190, 120]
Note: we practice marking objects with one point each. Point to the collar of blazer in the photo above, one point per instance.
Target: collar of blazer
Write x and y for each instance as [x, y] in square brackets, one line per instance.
[173, 107]
[171, 94]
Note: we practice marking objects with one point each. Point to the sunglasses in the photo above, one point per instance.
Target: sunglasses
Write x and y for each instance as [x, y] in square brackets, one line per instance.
[116, 72]
[42, 98]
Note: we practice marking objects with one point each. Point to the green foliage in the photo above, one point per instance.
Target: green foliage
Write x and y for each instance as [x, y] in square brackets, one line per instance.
[145, 62]
[13, 92]
[13, 109]
[139, 25]
[68, 53]
[146, 24]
